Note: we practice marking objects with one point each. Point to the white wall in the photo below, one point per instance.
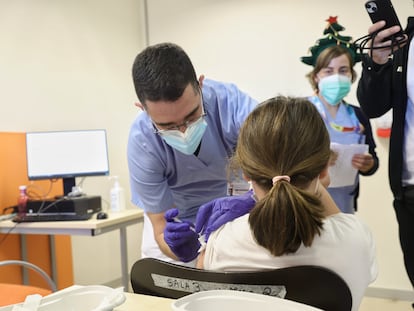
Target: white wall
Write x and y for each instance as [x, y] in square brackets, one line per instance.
[257, 45]
[66, 65]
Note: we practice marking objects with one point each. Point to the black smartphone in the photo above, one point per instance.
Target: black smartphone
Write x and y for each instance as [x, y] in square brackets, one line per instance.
[383, 10]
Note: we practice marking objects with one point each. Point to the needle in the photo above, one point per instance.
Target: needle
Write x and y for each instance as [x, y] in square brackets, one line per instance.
[176, 219]
[200, 237]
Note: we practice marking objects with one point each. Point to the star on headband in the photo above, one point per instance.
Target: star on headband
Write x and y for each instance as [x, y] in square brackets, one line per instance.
[332, 37]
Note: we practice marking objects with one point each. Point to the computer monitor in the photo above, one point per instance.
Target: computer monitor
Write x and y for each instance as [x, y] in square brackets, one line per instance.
[66, 155]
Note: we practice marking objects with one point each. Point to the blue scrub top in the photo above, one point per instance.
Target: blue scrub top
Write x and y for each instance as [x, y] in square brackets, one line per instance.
[162, 177]
[344, 197]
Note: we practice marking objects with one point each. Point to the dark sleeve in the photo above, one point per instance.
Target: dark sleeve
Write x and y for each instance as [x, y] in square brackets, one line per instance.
[374, 88]
[369, 140]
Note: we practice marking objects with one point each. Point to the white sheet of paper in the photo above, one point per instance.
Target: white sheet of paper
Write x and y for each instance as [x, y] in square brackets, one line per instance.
[343, 173]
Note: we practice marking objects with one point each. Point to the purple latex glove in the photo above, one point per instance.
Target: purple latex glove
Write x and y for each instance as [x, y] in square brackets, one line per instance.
[180, 236]
[216, 213]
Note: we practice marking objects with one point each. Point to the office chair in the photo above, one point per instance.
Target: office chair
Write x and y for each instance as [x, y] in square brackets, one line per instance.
[311, 285]
[16, 293]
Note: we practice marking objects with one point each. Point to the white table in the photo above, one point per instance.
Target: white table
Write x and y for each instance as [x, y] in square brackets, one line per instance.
[137, 302]
[133, 302]
[92, 227]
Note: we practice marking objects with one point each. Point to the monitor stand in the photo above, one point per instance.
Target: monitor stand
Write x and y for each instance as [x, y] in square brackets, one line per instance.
[68, 184]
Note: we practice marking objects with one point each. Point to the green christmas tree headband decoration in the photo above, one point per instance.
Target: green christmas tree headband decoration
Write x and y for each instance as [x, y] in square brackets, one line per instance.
[333, 38]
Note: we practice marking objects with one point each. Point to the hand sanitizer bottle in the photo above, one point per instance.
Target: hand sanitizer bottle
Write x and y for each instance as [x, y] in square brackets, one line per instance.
[117, 196]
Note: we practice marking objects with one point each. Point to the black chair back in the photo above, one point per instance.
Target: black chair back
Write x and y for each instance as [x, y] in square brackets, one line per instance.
[311, 285]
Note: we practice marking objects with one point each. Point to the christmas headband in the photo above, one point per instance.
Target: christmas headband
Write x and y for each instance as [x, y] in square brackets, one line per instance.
[333, 38]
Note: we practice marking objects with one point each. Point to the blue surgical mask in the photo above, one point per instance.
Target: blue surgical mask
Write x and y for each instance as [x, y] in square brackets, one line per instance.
[334, 88]
[188, 141]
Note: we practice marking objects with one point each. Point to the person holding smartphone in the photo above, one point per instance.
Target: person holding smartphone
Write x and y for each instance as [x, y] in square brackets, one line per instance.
[387, 82]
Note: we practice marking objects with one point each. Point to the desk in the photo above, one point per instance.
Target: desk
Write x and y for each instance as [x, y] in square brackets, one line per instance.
[137, 302]
[91, 227]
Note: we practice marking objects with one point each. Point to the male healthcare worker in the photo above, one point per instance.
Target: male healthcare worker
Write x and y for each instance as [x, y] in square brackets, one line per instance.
[178, 148]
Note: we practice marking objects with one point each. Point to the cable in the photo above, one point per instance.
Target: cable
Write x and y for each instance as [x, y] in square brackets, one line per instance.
[42, 195]
[107, 204]
[362, 42]
[43, 208]
[80, 184]
[12, 208]
[8, 233]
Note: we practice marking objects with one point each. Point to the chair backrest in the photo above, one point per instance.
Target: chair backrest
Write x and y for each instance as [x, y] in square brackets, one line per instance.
[33, 267]
[311, 285]
[16, 293]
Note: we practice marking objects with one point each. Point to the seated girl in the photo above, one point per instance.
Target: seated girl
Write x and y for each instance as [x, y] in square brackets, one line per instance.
[283, 149]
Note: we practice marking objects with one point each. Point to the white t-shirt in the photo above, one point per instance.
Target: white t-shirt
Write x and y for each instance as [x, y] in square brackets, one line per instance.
[345, 246]
[408, 154]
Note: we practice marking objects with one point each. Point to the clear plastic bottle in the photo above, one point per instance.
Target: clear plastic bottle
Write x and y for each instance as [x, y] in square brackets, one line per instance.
[117, 196]
[22, 201]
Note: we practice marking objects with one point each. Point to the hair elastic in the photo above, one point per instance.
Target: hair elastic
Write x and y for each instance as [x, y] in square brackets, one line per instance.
[282, 177]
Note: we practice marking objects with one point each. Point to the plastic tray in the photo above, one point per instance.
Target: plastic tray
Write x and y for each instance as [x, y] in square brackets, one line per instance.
[236, 300]
[80, 298]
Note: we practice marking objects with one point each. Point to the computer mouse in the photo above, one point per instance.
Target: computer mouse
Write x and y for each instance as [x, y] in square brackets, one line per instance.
[101, 215]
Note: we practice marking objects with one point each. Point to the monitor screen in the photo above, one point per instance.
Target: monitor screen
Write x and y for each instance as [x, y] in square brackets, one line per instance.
[66, 154]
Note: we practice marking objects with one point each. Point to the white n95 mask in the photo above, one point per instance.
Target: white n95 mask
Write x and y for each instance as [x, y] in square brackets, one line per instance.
[188, 141]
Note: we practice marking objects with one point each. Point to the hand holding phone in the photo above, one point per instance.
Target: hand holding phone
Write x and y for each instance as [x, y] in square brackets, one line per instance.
[384, 10]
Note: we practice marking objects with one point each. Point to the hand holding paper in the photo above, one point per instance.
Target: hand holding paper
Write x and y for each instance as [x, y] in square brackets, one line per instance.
[363, 162]
[343, 173]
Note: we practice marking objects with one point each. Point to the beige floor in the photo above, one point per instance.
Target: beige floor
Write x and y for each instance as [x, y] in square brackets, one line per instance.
[377, 304]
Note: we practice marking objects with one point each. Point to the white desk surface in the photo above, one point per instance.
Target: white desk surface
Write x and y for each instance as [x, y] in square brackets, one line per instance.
[137, 302]
[89, 227]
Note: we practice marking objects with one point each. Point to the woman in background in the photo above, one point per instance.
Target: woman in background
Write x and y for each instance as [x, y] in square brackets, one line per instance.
[294, 221]
[333, 58]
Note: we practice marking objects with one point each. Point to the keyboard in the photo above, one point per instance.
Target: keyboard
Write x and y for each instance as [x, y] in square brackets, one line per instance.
[37, 217]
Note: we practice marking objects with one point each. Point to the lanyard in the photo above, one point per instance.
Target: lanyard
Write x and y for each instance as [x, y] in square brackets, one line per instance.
[339, 128]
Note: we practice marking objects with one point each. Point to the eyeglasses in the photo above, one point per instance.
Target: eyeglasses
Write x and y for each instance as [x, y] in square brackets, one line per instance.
[185, 124]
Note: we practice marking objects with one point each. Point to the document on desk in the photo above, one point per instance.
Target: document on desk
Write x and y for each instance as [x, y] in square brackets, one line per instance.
[342, 173]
